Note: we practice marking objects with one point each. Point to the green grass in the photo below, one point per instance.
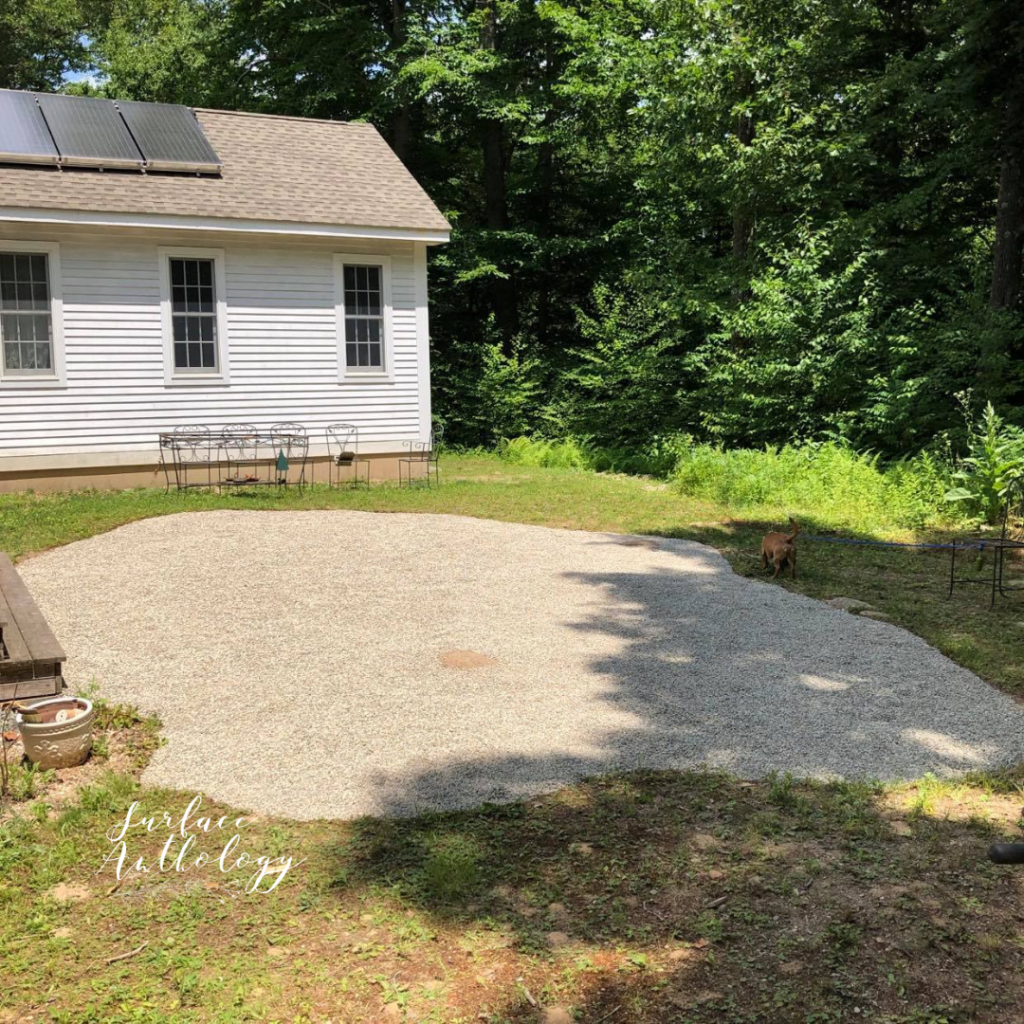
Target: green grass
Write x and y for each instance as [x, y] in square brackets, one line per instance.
[647, 896]
[908, 585]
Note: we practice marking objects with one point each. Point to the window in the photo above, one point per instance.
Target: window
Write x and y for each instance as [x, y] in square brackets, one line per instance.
[364, 318]
[364, 315]
[26, 321]
[194, 314]
[31, 314]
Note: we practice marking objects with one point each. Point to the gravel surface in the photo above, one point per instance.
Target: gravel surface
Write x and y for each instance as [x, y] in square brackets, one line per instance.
[332, 664]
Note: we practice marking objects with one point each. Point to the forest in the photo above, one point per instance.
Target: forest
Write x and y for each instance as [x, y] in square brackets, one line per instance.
[743, 224]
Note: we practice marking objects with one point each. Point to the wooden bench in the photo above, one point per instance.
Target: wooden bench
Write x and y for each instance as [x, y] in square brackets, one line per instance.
[31, 660]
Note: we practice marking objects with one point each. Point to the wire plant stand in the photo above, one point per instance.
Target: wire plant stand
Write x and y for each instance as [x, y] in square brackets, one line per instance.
[236, 456]
[1008, 545]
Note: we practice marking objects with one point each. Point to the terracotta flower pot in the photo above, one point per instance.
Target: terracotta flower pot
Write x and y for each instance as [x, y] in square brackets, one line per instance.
[57, 733]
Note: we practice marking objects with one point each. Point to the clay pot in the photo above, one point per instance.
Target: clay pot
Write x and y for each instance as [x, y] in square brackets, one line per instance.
[57, 733]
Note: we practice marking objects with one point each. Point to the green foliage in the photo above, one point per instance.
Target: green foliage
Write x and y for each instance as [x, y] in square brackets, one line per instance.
[995, 460]
[40, 42]
[568, 453]
[828, 482]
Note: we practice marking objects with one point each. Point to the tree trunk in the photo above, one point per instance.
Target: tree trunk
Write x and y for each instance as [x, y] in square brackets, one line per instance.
[401, 122]
[1008, 250]
[503, 295]
[742, 219]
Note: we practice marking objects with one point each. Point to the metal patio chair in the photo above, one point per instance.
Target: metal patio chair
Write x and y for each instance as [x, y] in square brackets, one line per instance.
[290, 440]
[240, 444]
[343, 449]
[425, 454]
[190, 446]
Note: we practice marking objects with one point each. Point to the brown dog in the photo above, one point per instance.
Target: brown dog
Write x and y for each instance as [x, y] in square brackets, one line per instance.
[780, 550]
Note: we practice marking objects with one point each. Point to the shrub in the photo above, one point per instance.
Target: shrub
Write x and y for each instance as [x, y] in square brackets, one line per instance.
[995, 460]
[832, 483]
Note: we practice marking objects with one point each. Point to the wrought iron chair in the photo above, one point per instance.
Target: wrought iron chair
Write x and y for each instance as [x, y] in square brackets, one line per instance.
[290, 441]
[422, 453]
[343, 450]
[190, 446]
[240, 443]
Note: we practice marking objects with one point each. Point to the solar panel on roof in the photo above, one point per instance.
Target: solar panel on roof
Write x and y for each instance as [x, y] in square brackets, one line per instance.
[89, 132]
[169, 136]
[24, 137]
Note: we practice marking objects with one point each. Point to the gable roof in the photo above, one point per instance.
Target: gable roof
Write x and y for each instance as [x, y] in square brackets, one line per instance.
[281, 169]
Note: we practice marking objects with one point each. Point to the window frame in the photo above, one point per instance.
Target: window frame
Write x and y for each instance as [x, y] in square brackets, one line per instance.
[58, 376]
[173, 375]
[353, 374]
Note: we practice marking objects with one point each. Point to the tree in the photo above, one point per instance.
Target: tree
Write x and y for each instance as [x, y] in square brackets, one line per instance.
[41, 41]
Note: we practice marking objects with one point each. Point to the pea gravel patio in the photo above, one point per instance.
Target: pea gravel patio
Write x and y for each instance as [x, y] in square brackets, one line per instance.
[314, 664]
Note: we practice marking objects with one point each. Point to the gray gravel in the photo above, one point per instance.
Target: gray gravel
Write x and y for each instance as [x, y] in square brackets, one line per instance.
[295, 660]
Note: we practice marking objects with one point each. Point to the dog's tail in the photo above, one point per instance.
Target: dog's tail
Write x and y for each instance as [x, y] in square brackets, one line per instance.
[796, 529]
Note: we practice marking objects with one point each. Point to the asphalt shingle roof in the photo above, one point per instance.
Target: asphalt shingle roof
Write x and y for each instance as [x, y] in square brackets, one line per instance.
[275, 168]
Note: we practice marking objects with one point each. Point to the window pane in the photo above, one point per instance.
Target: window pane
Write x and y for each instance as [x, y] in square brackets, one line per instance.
[373, 278]
[180, 328]
[10, 325]
[191, 272]
[28, 356]
[206, 300]
[39, 267]
[178, 299]
[364, 355]
[350, 330]
[351, 354]
[180, 355]
[8, 294]
[192, 300]
[42, 332]
[206, 328]
[206, 273]
[43, 356]
[6, 267]
[194, 356]
[23, 268]
[373, 330]
[41, 294]
[350, 278]
[209, 359]
[361, 278]
[375, 356]
[12, 358]
[177, 272]
[24, 294]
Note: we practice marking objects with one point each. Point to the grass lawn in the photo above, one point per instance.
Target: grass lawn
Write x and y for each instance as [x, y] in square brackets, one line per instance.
[682, 897]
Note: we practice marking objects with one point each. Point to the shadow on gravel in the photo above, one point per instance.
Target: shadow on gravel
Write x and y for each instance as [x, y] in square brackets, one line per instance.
[717, 670]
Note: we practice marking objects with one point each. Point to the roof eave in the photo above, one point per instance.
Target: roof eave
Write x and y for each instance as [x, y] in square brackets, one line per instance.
[182, 222]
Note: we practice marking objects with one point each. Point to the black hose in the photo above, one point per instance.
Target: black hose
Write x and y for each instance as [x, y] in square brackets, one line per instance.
[1006, 853]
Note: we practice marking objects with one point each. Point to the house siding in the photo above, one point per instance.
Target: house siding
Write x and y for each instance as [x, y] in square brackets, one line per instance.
[282, 350]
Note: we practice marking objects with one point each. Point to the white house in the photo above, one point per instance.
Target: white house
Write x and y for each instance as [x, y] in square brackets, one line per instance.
[162, 267]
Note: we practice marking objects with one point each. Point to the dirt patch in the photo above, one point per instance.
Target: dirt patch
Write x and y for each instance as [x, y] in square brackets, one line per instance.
[466, 659]
[69, 893]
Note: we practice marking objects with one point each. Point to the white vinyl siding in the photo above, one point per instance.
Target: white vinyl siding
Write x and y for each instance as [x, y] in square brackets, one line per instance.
[280, 341]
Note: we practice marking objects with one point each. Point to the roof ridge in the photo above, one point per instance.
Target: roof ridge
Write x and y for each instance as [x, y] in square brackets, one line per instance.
[283, 117]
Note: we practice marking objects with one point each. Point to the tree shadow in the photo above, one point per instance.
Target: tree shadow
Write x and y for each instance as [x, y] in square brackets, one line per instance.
[711, 668]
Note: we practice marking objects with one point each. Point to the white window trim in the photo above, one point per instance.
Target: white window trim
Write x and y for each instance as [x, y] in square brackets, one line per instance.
[347, 374]
[58, 379]
[171, 375]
